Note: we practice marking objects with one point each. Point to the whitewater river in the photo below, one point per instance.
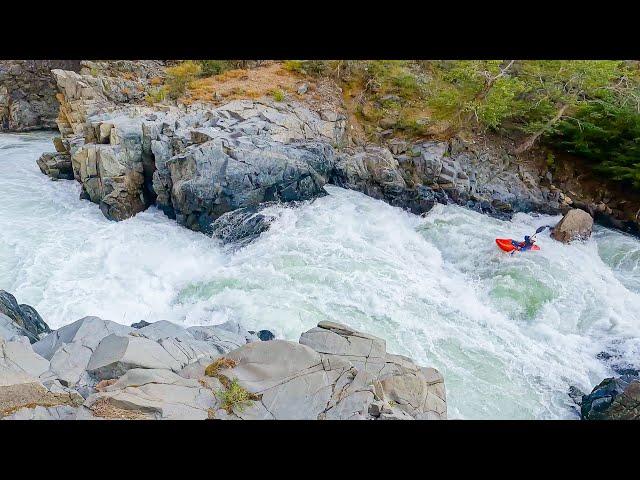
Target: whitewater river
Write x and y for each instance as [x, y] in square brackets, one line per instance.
[510, 334]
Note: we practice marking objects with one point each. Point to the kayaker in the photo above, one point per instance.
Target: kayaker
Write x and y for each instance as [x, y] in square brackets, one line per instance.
[529, 242]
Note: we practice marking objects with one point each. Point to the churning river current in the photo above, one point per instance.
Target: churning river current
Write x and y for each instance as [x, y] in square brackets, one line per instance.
[510, 334]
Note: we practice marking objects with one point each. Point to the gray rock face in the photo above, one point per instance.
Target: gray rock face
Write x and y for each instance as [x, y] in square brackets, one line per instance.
[27, 93]
[24, 316]
[575, 225]
[217, 177]
[195, 163]
[365, 352]
[59, 412]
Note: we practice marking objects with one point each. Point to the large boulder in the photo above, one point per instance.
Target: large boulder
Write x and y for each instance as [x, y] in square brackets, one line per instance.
[223, 175]
[116, 354]
[613, 399]
[24, 316]
[575, 225]
[373, 171]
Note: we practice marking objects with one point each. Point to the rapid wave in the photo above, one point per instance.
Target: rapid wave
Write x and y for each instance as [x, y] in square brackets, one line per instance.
[509, 333]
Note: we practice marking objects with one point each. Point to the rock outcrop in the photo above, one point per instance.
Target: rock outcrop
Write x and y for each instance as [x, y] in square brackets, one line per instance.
[198, 162]
[26, 321]
[613, 399]
[98, 369]
[28, 93]
[575, 225]
[56, 165]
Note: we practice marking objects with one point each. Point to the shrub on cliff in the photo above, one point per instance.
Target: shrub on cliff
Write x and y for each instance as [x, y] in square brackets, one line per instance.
[180, 76]
[608, 135]
[214, 67]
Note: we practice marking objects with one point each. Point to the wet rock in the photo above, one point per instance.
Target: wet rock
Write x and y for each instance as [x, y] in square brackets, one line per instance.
[575, 225]
[576, 395]
[242, 226]
[265, 335]
[217, 177]
[613, 399]
[56, 165]
[24, 316]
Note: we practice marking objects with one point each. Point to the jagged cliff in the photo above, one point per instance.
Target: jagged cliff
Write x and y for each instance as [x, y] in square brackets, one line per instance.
[199, 161]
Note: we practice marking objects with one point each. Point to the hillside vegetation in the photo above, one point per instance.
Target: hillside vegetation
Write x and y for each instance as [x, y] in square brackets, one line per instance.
[589, 108]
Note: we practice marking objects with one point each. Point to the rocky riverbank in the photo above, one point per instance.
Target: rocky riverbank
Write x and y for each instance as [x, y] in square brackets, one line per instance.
[198, 162]
[98, 369]
[28, 93]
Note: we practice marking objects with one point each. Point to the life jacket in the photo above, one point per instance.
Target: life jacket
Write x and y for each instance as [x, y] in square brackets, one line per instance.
[526, 245]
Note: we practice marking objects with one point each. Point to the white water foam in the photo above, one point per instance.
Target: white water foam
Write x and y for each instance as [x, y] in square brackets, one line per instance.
[509, 333]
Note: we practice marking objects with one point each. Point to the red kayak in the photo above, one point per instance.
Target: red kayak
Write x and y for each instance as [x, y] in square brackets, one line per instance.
[506, 245]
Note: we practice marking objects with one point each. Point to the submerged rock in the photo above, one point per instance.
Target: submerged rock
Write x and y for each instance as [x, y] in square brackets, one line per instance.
[240, 227]
[575, 225]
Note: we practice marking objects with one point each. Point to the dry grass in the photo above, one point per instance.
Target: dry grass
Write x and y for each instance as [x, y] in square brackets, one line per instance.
[104, 409]
[102, 384]
[240, 84]
[222, 363]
